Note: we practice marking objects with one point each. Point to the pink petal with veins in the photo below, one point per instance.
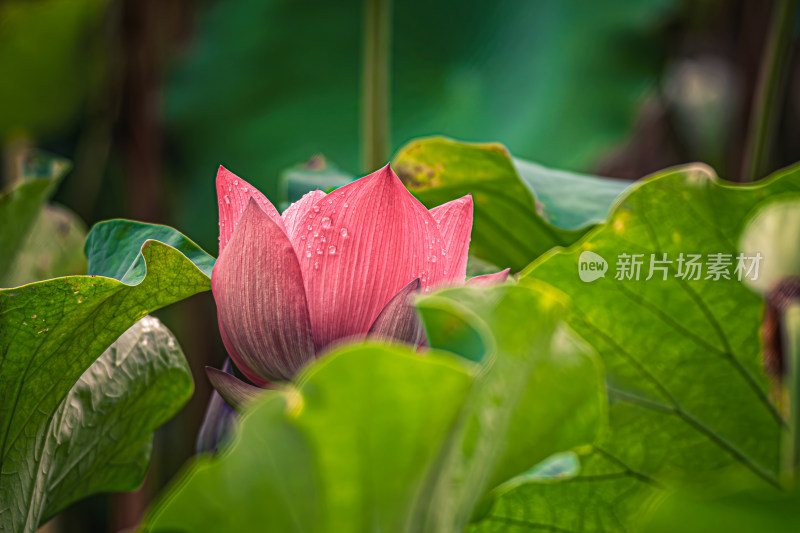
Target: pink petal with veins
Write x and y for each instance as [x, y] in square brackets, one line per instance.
[233, 390]
[298, 213]
[455, 224]
[234, 355]
[258, 288]
[399, 320]
[233, 194]
[369, 239]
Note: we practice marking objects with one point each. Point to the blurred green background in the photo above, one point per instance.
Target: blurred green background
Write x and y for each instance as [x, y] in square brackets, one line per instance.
[147, 98]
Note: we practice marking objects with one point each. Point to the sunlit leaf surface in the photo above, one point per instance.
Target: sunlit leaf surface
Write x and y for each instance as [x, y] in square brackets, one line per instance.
[688, 394]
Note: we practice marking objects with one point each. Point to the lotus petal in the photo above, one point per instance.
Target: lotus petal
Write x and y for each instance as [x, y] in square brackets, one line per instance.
[233, 195]
[233, 390]
[218, 420]
[299, 211]
[399, 320]
[234, 355]
[455, 224]
[261, 303]
[366, 242]
[487, 280]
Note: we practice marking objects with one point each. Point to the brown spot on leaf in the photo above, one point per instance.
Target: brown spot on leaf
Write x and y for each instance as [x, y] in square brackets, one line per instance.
[416, 175]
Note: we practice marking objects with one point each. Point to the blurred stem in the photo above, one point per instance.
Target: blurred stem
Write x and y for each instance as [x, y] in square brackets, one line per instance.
[375, 84]
[791, 350]
[769, 91]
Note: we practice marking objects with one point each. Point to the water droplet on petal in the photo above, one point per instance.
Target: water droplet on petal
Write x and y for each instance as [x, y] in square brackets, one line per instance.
[316, 209]
[319, 251]
[331, 249]
[433, 259]
[326, 222]
[236, 182]
[310, 227]
[308, 253]
[316, 266]
[344, 232]
[227, 200]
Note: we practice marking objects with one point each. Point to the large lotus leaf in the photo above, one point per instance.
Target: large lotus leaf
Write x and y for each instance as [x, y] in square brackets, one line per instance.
[689, 398]
[99, 436]
[745, 510]
[349, 450]
[52, 331]
[605, 496]
[557, 81]
[521, 209]
[382, 438]
[568, 200]
[540, 392]
[114, 249]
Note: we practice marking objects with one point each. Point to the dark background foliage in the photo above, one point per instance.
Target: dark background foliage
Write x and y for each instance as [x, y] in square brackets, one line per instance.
[147, 98]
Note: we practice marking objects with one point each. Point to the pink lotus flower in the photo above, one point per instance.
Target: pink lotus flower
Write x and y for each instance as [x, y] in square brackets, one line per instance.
[331, 267]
